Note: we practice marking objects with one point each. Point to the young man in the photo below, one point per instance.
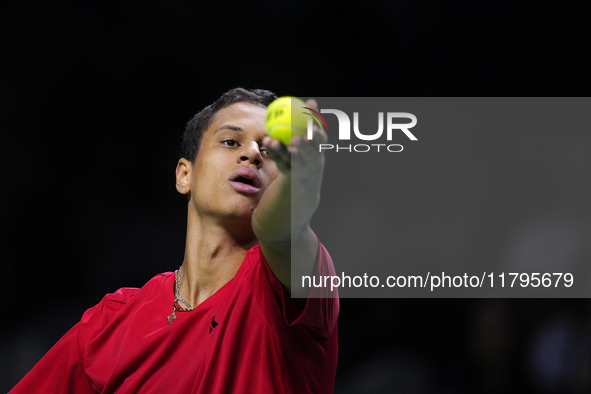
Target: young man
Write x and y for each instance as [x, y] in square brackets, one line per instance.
[224, 322]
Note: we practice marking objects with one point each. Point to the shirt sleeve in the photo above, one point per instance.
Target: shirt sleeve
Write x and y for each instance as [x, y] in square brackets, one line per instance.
[321, 308]
[61, 370]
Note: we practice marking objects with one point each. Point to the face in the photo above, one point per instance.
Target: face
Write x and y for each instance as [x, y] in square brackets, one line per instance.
[232, 169]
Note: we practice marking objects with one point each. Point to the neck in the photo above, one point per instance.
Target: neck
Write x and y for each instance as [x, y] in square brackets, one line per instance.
[213, 255]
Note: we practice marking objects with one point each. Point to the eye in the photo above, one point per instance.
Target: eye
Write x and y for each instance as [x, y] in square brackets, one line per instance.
[230, 142]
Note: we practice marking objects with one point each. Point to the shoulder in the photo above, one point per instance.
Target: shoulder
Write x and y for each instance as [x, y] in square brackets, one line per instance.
[253, 256]
[110, 305]
[319, 311]
[122, 296]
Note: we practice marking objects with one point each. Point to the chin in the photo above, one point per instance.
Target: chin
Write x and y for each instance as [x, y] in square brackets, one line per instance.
[242, 211]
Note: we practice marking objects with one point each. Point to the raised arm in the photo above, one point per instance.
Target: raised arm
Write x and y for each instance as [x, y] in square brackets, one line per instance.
[281, 221]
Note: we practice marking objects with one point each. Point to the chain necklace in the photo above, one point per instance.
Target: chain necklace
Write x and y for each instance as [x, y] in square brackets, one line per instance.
[178, 277]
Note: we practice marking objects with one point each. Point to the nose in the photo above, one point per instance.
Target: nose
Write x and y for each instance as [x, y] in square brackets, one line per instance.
[251, 153]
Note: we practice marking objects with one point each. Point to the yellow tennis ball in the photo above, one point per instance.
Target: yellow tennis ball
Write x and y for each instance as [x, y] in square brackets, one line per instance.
[286, 116]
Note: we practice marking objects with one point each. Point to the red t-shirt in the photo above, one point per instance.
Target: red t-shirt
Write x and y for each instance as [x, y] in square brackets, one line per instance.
[248, 337]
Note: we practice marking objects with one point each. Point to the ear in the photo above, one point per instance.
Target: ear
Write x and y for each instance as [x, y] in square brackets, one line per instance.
[183, 176]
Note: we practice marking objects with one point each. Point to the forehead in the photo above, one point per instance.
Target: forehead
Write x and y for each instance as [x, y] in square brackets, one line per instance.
[250, 117]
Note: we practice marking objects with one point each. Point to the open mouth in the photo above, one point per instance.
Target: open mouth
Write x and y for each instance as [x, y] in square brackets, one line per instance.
[246, 180]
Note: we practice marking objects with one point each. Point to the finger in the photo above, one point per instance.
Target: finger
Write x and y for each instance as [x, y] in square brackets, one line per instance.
[267, 140]
[307, 150]
[319, 136]
[311, 103]
[276, 150]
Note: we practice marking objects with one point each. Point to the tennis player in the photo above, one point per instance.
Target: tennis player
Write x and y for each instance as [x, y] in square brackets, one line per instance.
[225, 322]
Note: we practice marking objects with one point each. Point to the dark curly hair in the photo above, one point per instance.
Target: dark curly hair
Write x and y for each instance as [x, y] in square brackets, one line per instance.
[200, 122]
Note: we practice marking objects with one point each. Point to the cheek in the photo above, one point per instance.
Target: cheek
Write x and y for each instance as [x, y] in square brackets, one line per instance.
[210, 172]
[203, 184]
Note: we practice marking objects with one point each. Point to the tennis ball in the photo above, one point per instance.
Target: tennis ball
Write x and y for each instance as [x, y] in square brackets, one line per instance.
[286, 116]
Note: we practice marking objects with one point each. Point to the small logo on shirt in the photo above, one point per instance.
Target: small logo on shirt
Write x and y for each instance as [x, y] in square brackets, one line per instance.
[213, 325]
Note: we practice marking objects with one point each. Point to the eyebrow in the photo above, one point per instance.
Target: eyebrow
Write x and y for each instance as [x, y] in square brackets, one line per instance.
[229, 127]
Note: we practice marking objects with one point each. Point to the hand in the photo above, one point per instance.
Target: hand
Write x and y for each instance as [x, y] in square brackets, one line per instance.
[281, 221]
[303, 165]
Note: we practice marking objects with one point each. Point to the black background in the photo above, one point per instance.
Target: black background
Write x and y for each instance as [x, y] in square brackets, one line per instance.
[94, 98]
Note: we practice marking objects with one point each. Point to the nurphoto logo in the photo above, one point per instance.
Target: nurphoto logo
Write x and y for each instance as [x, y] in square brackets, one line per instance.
[344, 133]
